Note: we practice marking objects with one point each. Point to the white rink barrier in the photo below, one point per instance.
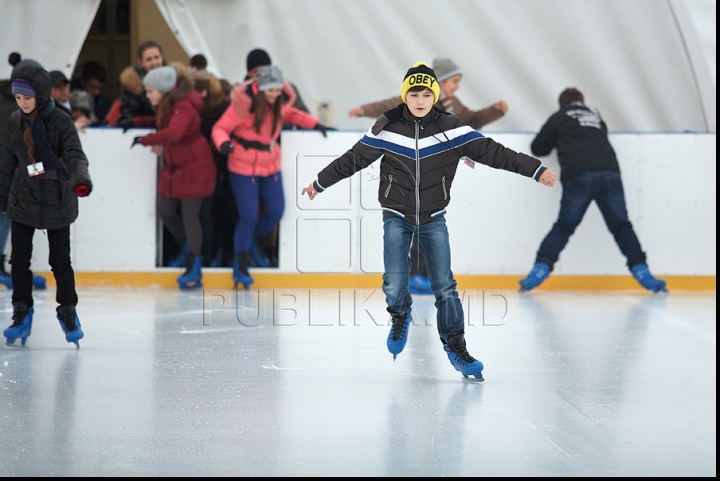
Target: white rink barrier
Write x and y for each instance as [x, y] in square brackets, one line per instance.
[496, 219]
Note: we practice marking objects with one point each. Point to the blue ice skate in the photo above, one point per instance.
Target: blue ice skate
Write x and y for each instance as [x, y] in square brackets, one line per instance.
[420, 285]
[538, 274]
[240, 270]
[641, 273]
[399, 332]
[192, 278]
[462, 360]
[39, 282]
[21, 326]
[70, 324]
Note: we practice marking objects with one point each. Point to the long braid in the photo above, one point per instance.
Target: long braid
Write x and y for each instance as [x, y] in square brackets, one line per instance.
[28, 138]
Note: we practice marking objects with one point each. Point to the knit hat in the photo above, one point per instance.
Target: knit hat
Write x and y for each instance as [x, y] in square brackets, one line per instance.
[23, 87]
[161, 78]
[83, 100]
[445, 68]
[269, 77]
[257, 58]
[420, 75]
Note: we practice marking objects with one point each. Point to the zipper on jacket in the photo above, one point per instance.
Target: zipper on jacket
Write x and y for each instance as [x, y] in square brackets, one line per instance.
[417, 173]
[444, 189]
[387, 191]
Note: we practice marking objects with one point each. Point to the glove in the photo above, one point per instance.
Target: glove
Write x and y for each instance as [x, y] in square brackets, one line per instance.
[323, 129]
[82, 190]
[226, 148]
[136, 140]
[127, 126]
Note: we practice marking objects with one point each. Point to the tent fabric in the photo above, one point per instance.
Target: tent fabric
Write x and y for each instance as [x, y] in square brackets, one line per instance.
[51, 33]
[647, 65]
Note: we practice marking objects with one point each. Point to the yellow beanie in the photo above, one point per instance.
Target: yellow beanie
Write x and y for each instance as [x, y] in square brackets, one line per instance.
[420, 75]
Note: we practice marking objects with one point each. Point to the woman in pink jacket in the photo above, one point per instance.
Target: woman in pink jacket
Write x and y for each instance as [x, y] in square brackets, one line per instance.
[188, 173]
[248, 134]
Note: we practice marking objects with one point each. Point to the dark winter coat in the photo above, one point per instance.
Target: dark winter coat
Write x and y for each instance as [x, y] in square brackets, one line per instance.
[419, 161]
[189, 169]
[36, 201]
[580, 136]
[135, 108]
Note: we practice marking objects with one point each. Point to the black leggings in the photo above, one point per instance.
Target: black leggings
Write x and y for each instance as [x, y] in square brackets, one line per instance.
[182, 219]
[59, 258]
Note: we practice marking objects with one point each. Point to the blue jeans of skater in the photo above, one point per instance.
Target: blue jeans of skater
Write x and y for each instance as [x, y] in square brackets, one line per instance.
[606, 189]
[248, 192]
[434, 243]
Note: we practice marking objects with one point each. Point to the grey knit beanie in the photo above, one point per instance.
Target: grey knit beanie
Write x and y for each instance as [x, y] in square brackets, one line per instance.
[445, 68]
[161, 78]
[269, 77]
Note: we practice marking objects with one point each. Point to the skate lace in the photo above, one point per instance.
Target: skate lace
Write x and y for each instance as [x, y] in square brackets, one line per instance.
[68, 320]
[18, 317]
[398, 324]
[461, 352]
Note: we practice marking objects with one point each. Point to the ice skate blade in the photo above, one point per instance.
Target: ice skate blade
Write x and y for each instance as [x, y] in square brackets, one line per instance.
[189, 287]
[17, 346]
[473, 379]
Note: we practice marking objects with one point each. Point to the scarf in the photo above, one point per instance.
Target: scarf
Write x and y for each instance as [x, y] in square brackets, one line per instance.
[43, 151]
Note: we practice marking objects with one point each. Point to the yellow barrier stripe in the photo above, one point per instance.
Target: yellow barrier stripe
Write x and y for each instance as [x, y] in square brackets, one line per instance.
[222, 279]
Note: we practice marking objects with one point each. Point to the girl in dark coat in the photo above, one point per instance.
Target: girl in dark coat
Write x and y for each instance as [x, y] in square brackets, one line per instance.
[43, 171]
[188, 173]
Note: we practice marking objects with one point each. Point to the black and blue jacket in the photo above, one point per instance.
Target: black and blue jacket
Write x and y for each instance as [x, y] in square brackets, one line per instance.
[419, 161]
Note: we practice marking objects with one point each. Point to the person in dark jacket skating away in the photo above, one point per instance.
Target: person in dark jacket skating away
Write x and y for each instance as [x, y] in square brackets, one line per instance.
[589, 171]
[421, 147]
[43, 170]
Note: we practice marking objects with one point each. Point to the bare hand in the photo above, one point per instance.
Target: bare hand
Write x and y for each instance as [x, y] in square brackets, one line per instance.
[501, 106]
[548, 177]
[356, 112]
[81, 123]
[310, 191]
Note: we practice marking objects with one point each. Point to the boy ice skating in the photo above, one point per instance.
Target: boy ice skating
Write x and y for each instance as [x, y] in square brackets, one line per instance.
[421, 147]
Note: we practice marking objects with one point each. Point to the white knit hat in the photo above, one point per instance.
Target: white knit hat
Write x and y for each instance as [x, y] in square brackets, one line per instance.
[161, 78]
[445, 68]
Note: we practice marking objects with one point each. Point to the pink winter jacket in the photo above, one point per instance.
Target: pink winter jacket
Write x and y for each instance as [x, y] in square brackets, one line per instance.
[238, 120]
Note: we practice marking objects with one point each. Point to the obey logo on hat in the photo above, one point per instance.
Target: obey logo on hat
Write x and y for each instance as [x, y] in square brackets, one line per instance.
[420, 75]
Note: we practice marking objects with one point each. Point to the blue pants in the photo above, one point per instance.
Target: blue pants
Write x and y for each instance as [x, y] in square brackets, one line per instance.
[605, 188]
[248, 192]
[434, 243]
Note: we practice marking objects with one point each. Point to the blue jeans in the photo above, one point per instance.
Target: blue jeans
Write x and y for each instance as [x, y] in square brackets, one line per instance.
[248, 192]
[434, 244]
[605, 188]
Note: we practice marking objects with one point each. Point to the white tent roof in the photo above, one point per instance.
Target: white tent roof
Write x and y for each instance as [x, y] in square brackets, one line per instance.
[647, 65]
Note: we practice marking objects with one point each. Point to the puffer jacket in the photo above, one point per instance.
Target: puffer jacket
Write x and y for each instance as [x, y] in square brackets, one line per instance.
[189, 169]
[237, 123]
[35, 201]
[474, 118]
[135, 108]
[420, 159]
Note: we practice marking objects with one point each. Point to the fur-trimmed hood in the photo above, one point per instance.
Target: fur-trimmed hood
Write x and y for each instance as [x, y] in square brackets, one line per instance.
[131, 78]
[243, 96]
